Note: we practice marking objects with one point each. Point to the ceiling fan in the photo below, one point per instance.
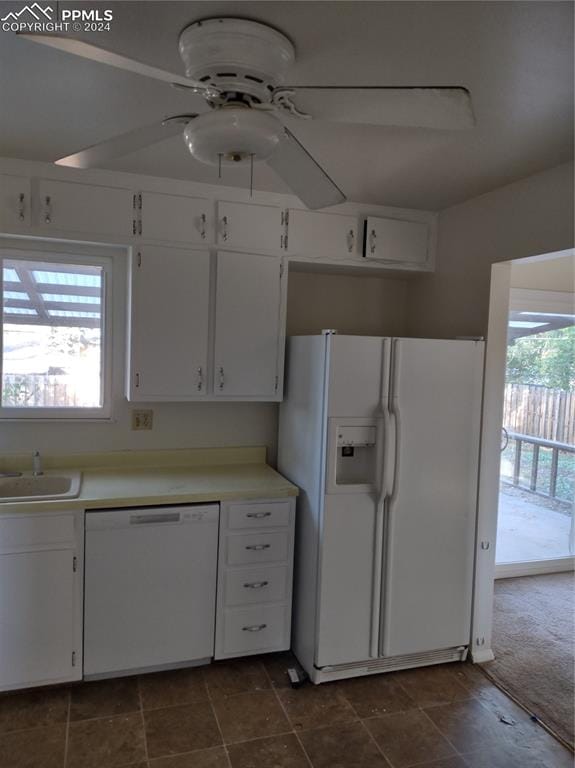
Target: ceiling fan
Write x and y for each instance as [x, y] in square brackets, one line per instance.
[238, 68]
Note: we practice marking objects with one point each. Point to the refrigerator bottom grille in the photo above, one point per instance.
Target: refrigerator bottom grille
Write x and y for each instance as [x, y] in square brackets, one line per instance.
[388, 664]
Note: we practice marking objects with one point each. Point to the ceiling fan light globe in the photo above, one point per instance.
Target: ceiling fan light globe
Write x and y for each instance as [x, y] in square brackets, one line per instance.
[232, 136]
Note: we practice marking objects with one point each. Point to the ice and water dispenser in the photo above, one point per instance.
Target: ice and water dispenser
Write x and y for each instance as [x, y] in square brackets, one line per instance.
[354, 454]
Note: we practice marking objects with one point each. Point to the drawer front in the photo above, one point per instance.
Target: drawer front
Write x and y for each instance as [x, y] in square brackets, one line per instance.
[271, 513]
[257, 548]
[254, 629]
[27, 531]
[255, 585]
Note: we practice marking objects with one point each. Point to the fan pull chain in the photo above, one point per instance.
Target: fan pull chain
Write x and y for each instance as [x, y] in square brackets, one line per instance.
[219, 165]
[251, 175]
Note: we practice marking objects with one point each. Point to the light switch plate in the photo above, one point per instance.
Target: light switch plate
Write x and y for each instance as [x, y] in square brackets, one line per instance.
[143, 419]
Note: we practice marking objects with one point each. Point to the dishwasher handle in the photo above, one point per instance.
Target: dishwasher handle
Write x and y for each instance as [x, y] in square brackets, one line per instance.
[166, 517]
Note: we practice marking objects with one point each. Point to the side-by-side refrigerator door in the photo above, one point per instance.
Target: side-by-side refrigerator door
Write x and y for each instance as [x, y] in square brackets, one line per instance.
[428, 559]
[352, 519]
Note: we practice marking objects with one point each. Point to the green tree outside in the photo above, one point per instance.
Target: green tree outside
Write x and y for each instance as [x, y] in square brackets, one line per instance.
[544, 359]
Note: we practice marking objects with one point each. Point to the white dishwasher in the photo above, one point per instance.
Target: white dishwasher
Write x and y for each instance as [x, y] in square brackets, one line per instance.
[150, 587]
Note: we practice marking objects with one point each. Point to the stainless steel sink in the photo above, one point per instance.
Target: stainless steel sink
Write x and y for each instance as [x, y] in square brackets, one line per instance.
[51, 485]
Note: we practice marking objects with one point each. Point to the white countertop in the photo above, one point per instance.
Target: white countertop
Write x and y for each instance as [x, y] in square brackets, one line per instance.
[155, 479]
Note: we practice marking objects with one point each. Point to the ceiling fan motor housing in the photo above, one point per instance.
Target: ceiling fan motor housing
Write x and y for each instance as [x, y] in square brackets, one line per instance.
[236, 56]
[229, 136]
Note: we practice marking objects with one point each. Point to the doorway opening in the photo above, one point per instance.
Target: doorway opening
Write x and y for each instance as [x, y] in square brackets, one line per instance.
[523, 622]
[535, 525]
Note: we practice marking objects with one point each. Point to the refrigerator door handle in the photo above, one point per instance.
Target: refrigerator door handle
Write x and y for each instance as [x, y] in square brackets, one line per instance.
[380, 508]
[377, 563]
[392, 453]
[389, 458]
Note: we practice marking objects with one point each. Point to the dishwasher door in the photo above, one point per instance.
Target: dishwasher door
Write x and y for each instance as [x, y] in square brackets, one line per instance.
[150, 587]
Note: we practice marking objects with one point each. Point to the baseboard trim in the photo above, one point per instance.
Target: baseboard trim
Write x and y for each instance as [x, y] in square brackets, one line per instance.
[534, 567]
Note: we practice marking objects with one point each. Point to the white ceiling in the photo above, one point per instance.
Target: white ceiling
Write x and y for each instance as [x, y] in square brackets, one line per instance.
[515, 57]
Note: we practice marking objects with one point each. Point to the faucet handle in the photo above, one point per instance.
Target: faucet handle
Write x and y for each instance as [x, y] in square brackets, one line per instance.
[37, 464]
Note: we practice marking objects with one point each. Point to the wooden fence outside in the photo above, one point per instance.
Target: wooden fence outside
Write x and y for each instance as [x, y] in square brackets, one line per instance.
[539, 411]
[38, 390]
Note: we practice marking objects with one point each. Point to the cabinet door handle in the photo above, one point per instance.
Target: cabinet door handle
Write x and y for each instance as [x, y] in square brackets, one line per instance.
[256, 584]
[254, 628]
[258, 515]
[222, 378]
[200, 379]
[372, 241]
[203, 226]
[21, 206]
[350, 240]
[48, 210]
[258, 547]
[224, 228]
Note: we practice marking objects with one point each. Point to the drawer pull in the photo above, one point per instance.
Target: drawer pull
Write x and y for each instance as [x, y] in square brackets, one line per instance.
[258, 547]
[256, 584]
[254, 628]
[259, 515]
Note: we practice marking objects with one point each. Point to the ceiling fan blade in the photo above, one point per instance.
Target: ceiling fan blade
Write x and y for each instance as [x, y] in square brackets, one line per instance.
[96, 155]
[103, 56]
[303, 175]
[439, 108]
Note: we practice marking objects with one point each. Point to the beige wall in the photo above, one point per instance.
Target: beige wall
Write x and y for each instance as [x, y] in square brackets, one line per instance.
[368, 305]
[529, 217]
[546, 275]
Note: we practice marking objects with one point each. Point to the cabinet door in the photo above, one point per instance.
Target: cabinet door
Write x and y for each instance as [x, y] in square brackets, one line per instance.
[174, 218]
[169, 323]
[253, 227]
[14, 202]
[395, 240]
[248, 309]
[85, 208]
[322, 235]
[37, 617]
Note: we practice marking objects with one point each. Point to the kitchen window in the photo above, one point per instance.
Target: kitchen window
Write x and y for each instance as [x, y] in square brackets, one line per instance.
[55, 336]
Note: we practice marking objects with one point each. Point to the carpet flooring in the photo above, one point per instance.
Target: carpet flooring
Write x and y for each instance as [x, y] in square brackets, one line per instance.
[533, 642]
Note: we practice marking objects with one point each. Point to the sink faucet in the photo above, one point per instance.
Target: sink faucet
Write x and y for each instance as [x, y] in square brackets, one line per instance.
[37, 464]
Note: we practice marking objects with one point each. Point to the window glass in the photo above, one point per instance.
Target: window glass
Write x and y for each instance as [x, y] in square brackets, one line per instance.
[52, 334]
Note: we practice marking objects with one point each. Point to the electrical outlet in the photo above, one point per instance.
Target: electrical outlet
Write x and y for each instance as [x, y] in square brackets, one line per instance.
[143, 419]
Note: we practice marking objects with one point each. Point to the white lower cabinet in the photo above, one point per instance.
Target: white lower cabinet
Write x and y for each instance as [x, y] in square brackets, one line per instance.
[255, 574]
[40, 599]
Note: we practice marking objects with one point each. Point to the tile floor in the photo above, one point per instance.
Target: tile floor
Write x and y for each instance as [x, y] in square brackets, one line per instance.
[244, 714]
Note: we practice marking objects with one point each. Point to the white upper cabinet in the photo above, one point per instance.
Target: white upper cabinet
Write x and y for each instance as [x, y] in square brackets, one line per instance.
[396, 241]
[322, 235]
[170, 290]
[173, 218]
[15, 202]
[72, 207]
[249, 326]
[251, 227]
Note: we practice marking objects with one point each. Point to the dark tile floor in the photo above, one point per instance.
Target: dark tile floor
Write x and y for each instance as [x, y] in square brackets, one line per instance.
[244, 714]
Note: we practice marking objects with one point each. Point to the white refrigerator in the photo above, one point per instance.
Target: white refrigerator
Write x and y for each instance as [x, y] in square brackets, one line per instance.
[382, 437]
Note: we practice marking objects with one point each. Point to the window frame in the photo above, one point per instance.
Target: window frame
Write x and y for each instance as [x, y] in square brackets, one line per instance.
[82, 255]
